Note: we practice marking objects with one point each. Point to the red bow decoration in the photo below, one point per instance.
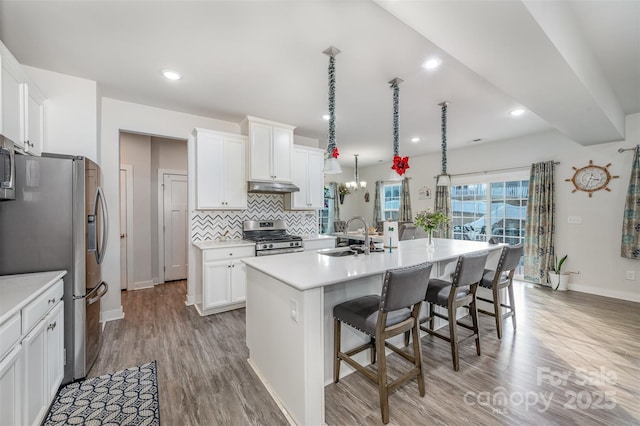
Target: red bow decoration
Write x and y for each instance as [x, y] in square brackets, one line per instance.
[400, 164]
[335, 153]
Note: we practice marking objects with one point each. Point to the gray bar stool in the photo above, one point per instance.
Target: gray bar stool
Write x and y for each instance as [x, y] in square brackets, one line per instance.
[497, 280]
[392, 313]
[461, 291]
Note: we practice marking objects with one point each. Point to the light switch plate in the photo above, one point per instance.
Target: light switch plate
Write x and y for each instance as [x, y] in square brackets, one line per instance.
[574, 219]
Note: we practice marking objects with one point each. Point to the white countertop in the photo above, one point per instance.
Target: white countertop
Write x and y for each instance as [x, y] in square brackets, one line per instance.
[16, 291]
[212, 244]
[307, 270]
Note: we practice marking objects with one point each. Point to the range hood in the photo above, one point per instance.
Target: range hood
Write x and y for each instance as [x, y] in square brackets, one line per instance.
[260, 187]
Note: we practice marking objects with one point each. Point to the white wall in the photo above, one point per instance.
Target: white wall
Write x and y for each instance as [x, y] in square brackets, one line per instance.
[71, 113]
[594, 245]
[123, 116]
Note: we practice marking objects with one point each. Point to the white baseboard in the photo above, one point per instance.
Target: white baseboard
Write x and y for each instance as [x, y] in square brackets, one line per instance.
[140, 285]
[622, 295]
[190, 300]
[111, 315]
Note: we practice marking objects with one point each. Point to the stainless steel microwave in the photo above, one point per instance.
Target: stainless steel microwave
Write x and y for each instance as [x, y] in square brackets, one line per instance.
[7, 170]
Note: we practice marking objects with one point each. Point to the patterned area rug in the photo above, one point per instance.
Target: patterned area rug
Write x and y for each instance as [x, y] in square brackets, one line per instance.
[127, 397]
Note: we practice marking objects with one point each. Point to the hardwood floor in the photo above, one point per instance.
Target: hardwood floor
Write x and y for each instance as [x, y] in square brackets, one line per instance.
[575, 359]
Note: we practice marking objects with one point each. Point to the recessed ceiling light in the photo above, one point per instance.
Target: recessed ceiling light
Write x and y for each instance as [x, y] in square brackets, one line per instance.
[171, 75]
[517, 112]
[326, 117]
[432, 64]
[415, 140]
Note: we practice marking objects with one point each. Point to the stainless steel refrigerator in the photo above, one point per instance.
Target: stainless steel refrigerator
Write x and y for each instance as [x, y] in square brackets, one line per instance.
[58, 220]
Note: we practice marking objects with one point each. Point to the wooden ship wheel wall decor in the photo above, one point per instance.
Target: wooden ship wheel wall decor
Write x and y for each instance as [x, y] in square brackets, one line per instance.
[591, 178]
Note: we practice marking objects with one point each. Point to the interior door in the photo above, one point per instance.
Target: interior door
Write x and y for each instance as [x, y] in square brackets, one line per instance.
[123, 230]
[175, 227]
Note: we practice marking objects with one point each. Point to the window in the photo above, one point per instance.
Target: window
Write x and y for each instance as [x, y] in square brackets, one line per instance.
[490, 209]
[390, 200]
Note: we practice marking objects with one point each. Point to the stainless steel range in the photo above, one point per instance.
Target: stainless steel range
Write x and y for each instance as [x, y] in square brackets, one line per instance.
[271, 237]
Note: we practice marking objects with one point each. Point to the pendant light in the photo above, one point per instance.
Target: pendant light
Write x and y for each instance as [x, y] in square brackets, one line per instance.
[331, 165]
[356, 185]
[443, 178]
[400, 164]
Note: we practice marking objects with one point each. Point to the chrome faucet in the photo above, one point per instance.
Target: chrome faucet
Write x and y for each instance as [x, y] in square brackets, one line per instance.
[366, 231]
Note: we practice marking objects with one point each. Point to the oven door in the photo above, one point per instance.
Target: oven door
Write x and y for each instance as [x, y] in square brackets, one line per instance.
[7, 170]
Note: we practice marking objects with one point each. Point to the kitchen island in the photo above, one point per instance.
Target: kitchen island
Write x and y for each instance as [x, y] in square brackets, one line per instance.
[290, 300]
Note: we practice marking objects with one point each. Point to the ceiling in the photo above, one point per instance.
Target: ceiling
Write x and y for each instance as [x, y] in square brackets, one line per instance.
[574, 66]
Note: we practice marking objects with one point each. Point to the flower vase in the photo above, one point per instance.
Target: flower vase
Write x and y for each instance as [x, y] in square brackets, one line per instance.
[341, 197]
[430, 242]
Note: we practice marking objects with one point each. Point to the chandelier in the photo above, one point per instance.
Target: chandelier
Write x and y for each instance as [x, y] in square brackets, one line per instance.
[357, 184]
[331, 165]
[443, 178]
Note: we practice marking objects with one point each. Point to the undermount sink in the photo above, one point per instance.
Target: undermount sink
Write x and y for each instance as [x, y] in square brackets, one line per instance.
[338, 253]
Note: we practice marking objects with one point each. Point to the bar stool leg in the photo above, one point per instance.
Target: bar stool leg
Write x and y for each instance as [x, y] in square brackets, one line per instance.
[474, 319]
[382, 381]
[417, 356]
[512, 304]
[453, 336]
[496, 310]
[336, 349]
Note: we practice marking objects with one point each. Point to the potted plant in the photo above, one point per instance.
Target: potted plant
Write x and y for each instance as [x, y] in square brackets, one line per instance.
[429, 221]
[558, 279]
[342, 191]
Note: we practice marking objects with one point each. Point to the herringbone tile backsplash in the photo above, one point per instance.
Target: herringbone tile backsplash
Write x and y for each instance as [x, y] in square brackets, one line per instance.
[209, 225]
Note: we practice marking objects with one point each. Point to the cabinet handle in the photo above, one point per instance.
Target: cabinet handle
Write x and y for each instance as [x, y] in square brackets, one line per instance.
[52, 300]
[52, 326]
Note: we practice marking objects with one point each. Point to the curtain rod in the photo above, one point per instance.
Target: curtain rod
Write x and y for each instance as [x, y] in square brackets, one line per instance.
[496, 170]
[627, 149]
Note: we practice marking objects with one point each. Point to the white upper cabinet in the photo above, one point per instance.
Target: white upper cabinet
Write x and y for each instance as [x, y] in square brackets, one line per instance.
[21, 106]
[270, 150]
[221, 181]
[308, 164]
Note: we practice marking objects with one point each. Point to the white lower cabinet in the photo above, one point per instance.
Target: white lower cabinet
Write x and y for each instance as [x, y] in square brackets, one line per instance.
[35, 374]
[11, 377]
[224, 278]
[33, 369]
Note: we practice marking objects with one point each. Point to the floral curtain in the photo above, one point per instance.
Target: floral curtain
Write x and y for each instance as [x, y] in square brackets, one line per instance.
[631, 219]
[404, 213]
[539, 243]
[376, 204]
[443, 204]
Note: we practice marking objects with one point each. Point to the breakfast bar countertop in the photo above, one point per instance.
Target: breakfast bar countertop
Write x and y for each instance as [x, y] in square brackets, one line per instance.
[308, 270]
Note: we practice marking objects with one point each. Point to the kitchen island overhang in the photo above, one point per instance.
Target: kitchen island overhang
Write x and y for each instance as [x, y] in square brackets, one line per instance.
[289, 310]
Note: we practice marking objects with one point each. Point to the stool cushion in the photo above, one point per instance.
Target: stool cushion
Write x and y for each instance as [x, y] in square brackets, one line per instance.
[362, 314]
[438, 292]
[487, 279]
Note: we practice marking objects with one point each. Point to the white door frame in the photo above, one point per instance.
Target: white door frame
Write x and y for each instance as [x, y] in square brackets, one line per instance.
[128, 168]
[161, 173]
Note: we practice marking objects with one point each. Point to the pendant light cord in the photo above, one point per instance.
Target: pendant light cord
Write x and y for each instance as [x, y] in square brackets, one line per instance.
[444, 137]
[331, 137]
[396, 132]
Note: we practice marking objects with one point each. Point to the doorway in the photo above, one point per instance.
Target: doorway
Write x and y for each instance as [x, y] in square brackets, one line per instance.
[172, 205]
[126, 225]
[151, 245]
